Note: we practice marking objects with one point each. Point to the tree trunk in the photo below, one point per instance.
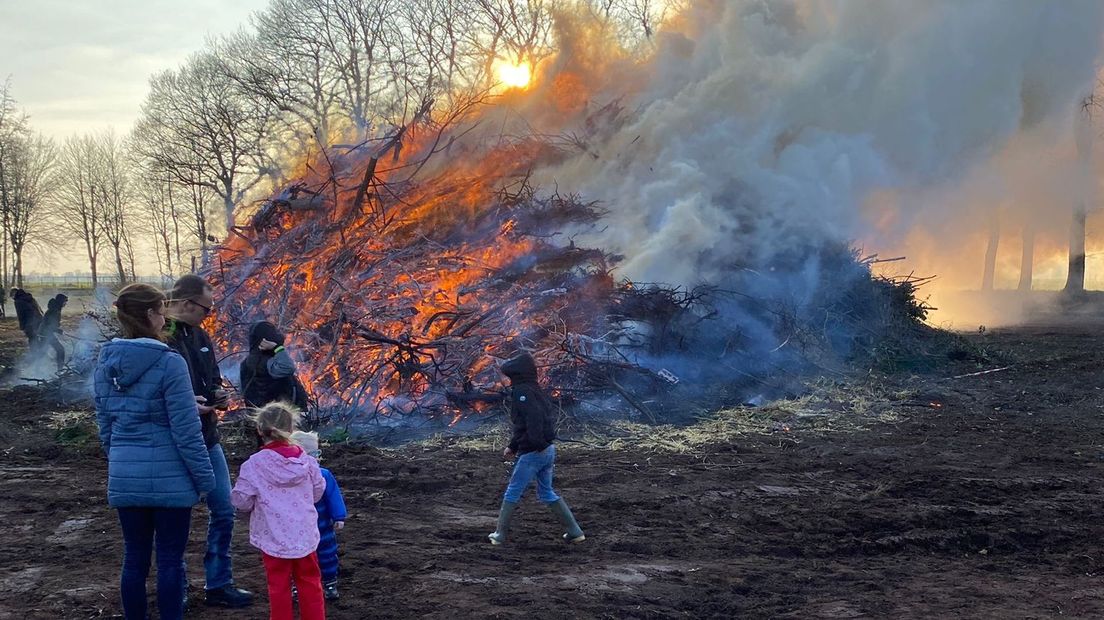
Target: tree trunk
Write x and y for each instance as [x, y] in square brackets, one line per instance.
[168, 254]
[91, 259]
[4, 280]
[18, 269]
[990, 273]
[1027, 258]
[130, 260]
[119, 265]
[176, 235]
[228, 205]
[1075, 282]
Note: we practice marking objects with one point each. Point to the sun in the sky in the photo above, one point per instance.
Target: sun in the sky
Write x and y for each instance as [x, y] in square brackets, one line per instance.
[512, 75]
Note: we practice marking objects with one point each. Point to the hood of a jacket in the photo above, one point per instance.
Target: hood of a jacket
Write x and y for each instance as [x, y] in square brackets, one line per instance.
[264, 331]
[277, 469]
[126, 360]
[521, 368]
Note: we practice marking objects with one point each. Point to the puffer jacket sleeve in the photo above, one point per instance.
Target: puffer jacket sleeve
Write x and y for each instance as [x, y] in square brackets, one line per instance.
[281, 366]
[184, 423]
[317, 481]
[335, 503]
[103, 417]
[244, 495]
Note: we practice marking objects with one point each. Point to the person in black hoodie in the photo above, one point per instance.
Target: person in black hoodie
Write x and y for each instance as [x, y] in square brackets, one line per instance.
[534, 433]
[268, 373]
[28, 312]
[50, 327]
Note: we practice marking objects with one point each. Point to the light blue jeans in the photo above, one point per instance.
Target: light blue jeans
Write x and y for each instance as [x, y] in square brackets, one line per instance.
[220, 525]
[532, 465]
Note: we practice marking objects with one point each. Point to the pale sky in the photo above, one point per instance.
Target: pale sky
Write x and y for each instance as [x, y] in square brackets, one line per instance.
[83, 65]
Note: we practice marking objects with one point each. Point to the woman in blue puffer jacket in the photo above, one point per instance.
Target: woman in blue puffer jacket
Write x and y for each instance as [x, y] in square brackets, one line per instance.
[158, 465]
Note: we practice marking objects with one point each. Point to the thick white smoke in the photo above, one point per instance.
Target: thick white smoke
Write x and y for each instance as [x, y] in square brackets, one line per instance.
[766, 127]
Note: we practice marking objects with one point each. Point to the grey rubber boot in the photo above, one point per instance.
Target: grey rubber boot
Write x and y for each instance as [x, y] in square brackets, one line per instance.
[574, 532]
[505, 513]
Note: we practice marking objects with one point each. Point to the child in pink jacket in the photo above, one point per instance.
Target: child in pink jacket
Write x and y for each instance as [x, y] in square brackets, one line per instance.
[279, 486]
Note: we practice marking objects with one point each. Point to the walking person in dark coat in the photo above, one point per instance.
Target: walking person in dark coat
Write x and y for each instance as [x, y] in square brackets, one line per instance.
[532, 442]
[158, 466]
[28, 312]
[50, 327]
[190, 303]
[268, 373]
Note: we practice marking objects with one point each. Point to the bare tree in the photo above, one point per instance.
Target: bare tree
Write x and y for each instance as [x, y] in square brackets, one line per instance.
[1027, 257]
[114, 195]
[512, 30]
[283, 64]
[29, 180]
[78, 210]
[13, 129]
[988, 277]
[197, 197]
[356, 35]
[159, 219]
[1085, 136]
[197, 127]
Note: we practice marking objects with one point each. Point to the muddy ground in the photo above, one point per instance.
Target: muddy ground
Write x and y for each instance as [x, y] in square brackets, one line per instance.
[980, 497]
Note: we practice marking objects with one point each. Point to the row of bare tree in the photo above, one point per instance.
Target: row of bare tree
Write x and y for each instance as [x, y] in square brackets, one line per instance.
[305, 75]
[88, 192]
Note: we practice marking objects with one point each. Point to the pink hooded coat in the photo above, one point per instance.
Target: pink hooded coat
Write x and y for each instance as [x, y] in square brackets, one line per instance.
[279, 486]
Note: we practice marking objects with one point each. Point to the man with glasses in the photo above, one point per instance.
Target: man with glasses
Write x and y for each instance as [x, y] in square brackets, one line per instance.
[189, 305]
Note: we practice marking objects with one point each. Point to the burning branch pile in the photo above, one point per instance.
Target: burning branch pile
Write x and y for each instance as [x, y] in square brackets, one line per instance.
[400, 295]
[401, 284]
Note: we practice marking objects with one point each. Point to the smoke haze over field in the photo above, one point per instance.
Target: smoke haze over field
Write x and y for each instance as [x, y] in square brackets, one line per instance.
[752, 133]
[761, 129]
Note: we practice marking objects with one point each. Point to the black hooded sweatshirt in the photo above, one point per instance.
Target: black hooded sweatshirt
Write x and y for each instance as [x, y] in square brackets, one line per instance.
[51, 321]
[531, 410]
[269, 376]
[194, 345]
[28, 312]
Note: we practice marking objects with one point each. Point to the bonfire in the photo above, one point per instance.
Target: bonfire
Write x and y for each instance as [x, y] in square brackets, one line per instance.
[405, 268]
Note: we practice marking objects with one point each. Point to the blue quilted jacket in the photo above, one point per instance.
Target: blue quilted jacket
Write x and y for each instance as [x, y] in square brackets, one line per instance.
[149, 426]
[330, 508]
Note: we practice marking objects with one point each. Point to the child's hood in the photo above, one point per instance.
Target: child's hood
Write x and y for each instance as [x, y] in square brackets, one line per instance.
[126, 361]
[521, 369]
[283, 466]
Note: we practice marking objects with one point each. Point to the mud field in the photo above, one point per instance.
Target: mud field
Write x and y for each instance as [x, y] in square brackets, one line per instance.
[977, 496]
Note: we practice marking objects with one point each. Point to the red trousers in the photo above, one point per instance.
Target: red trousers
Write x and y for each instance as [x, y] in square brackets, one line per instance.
[308, 579]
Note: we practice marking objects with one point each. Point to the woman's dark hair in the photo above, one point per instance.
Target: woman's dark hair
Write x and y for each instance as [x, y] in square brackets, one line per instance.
[133, 306]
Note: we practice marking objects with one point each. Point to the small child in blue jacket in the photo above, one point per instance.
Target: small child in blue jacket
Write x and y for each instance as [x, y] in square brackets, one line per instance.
[331, 517]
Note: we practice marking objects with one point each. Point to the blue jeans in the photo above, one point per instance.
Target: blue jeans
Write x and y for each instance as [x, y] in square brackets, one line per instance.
[220, 526]
[142, 529]
[532, 465]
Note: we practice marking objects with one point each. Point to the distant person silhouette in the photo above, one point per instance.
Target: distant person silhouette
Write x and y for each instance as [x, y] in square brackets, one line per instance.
[28, 312]
[50, 327]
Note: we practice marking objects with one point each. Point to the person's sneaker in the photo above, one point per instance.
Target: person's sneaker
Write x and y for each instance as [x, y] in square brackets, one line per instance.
[578, 539]
[496, 538]
[329, 590]
[229, 596]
